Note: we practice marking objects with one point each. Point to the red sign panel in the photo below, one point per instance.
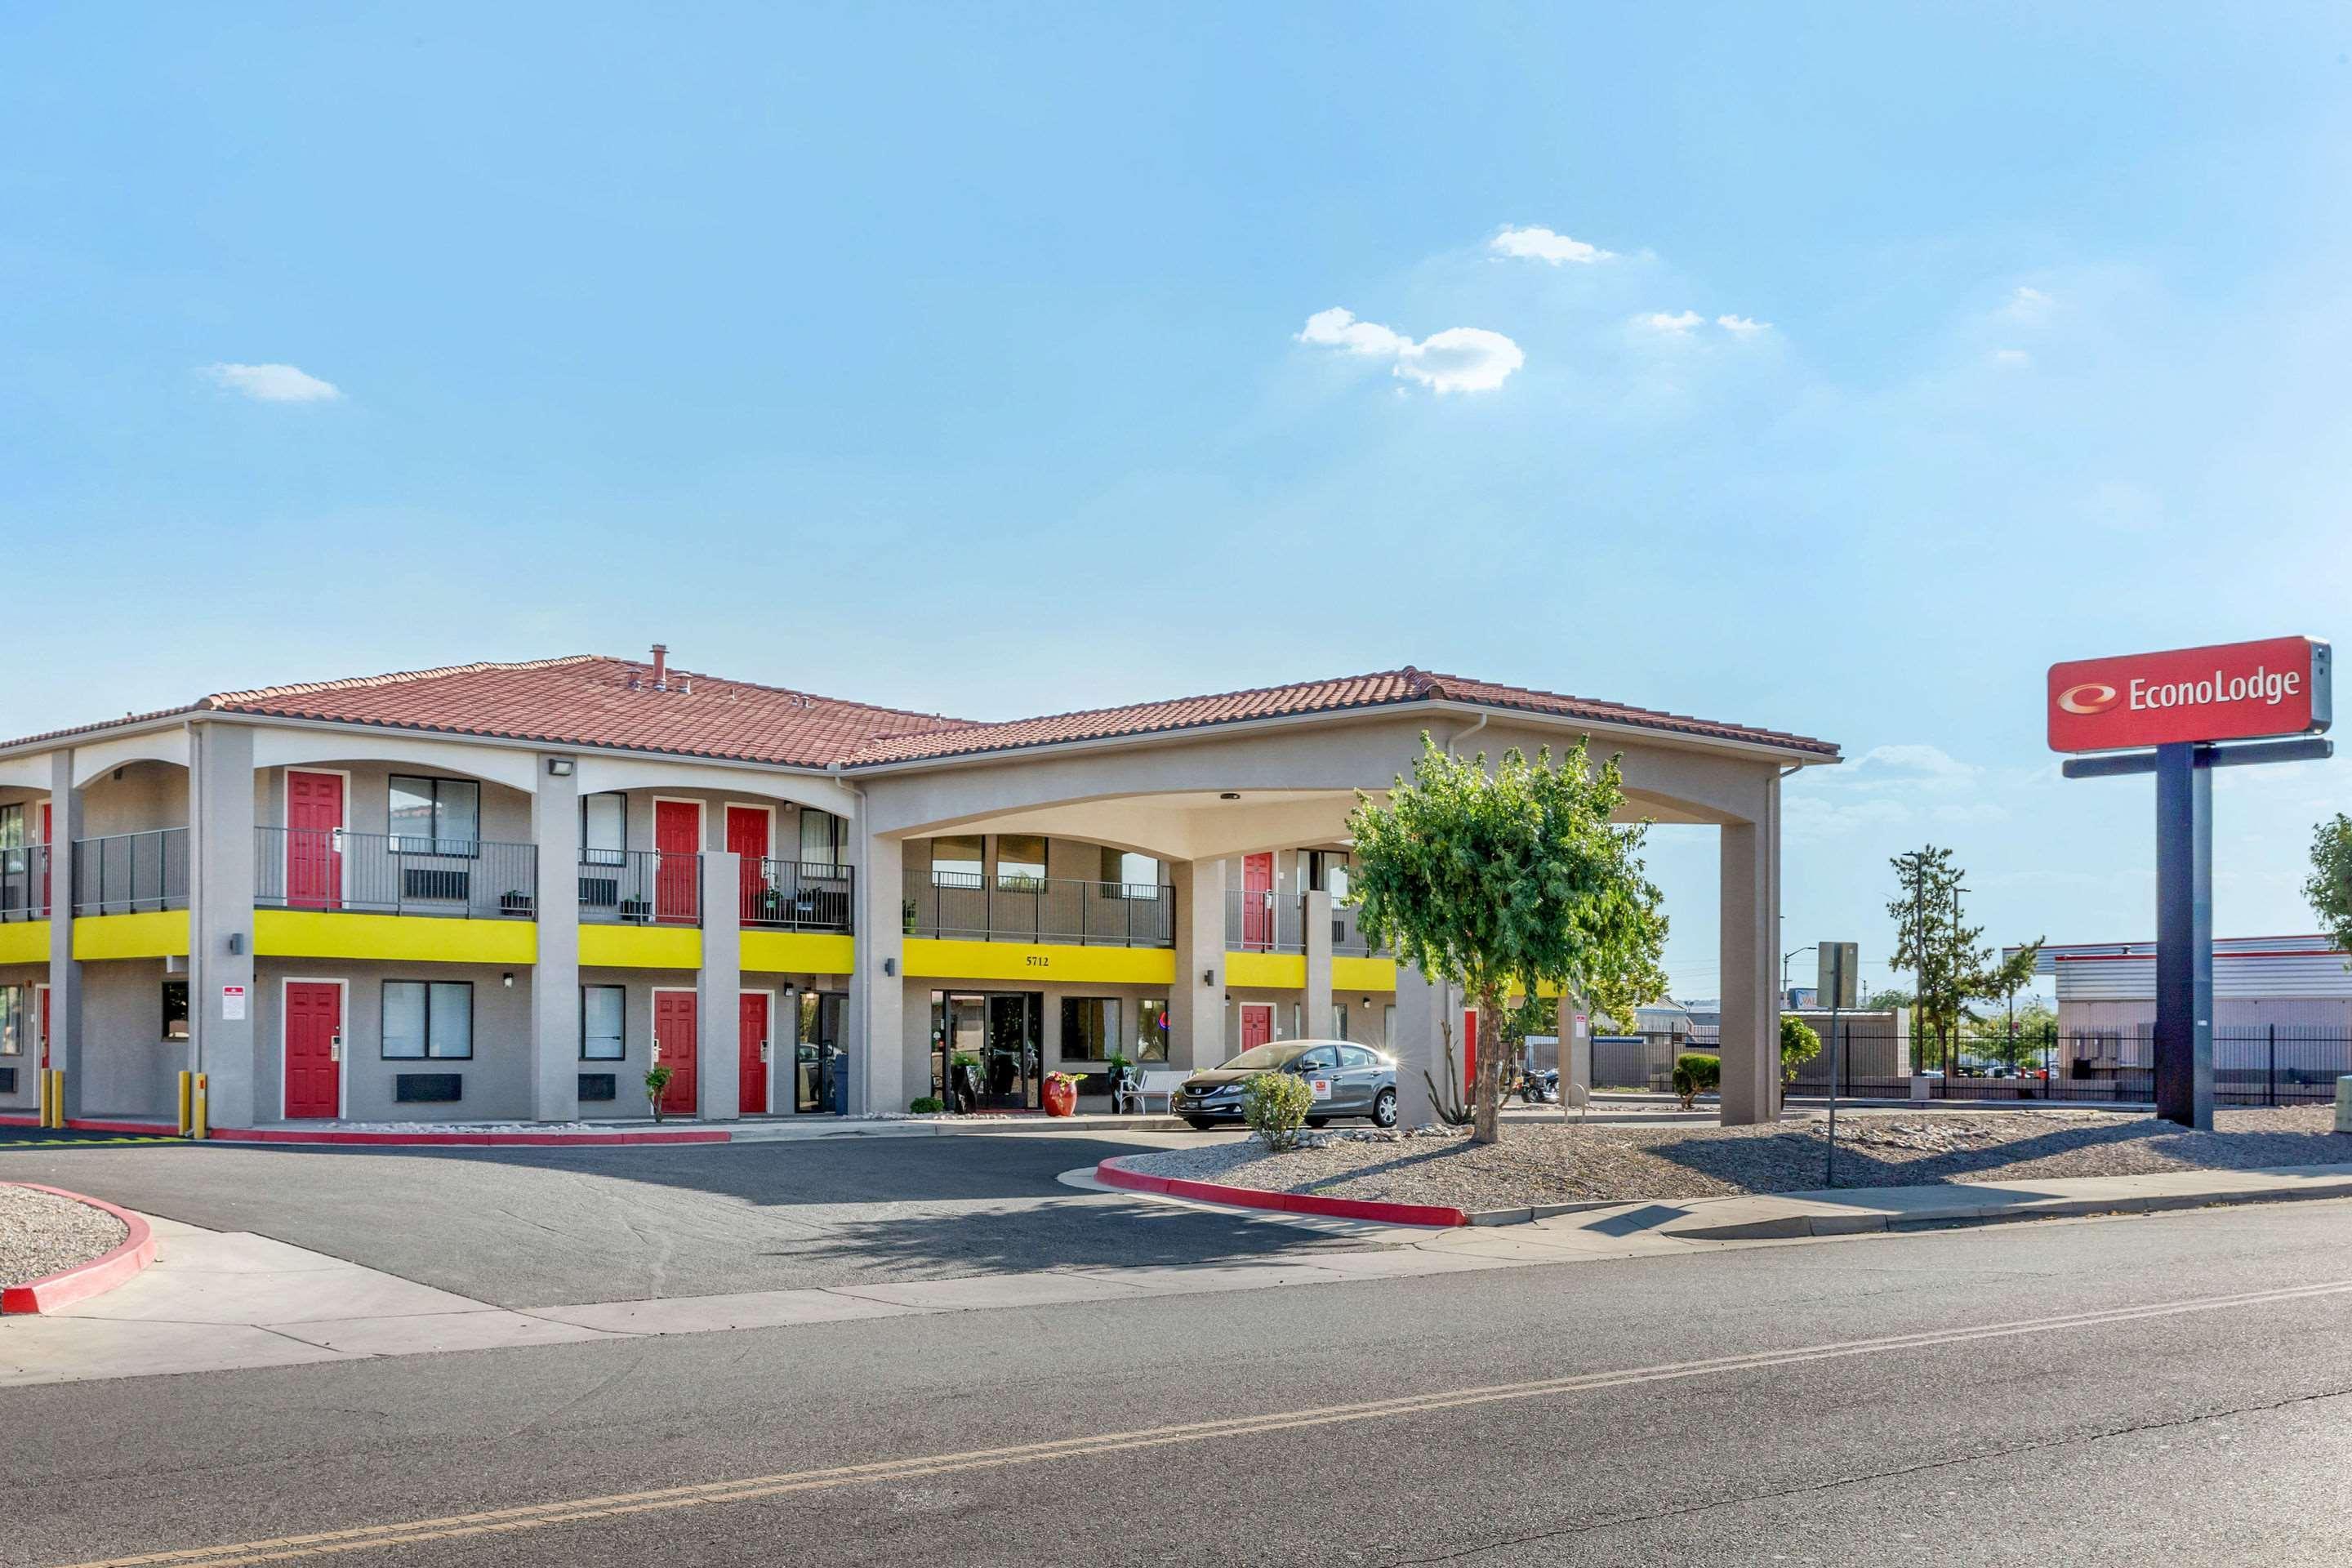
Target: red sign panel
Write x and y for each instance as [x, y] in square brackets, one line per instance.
[2235, 691]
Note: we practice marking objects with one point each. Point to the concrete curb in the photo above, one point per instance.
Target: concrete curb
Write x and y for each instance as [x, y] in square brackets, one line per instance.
[83, 1280]
[1962, 1213]
[1113, 1174]
[467, 1139]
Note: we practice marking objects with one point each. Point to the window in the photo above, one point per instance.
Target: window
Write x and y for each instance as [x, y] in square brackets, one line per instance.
[1388, 1028]
[821, 839]
[956, 860]
[1322, 1059]
[176, 1009]
[428, 1018]
[603, 1038]
[16, 1020]
[1020, 862]
[435, 816]
[1089, 1028]
[1356, 1057]
[1133, 876]
[12, 827]
[1339, 1020]
[604, 829]
[1150, 1032]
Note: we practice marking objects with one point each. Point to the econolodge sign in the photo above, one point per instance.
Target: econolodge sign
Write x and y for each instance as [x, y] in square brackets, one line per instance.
[2233, 691]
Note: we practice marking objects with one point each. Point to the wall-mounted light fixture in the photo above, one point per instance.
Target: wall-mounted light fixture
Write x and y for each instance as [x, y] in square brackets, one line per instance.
[507, 980]
[235, 943]
[559, 767]
[889, 966]
[1230, 794]
[1208, 977]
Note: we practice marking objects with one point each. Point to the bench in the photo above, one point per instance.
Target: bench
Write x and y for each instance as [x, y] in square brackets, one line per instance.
[1136, 1089]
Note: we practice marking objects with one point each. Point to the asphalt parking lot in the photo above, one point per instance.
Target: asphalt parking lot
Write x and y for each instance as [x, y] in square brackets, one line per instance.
[531, 1228]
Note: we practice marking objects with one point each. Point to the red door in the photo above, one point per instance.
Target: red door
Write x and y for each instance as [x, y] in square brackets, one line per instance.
[747, 836]
[314, 1024]
[751, 1098]
[1257, 1024]
[1258, 902]
[673, 1031]
[314, 851]
[677, 840]
[45, 1025]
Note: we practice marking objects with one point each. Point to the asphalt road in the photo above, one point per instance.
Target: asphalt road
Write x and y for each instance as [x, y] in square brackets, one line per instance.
[2220, 1435]
[540, 1227]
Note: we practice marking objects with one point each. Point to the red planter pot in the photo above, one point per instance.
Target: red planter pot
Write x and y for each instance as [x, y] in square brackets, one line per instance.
[1060, 1099]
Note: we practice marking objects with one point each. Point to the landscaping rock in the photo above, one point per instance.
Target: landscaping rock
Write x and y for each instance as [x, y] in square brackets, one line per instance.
[41, 1233]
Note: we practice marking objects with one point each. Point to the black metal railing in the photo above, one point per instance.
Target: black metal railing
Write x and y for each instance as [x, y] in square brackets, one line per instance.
[1265, 921]
[1348, 939]
[25, 882]
[794, 895]
[384, 873]
[123, 873]
[640, 887]
[2254, 1064]
[969, 907]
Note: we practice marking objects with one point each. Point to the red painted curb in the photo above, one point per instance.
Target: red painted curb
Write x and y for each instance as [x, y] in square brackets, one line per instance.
[83, 1280]
[1111, 1173]
[464, 1140]
[78, 1124]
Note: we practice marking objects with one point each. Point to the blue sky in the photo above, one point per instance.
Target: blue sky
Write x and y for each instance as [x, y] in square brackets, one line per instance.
[960, 358]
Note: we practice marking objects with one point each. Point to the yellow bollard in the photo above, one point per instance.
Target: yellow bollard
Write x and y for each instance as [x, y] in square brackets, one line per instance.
[199, 1124]
[58, 1099]
[187, 1098]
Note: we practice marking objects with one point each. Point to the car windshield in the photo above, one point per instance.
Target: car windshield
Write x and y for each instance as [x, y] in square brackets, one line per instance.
[1264, 1059]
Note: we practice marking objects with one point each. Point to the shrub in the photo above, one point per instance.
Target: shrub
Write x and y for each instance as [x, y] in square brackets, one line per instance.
[1695, 1072]
[1798, 1044]
[926, 1105]
[1275, 1104]
[657, 1081]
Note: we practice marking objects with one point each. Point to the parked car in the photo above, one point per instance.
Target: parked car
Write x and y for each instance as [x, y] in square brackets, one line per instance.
[1362, 1082]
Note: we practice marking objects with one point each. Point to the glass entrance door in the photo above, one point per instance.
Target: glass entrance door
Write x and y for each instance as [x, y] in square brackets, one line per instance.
[819, 1074]
[1012, 1064]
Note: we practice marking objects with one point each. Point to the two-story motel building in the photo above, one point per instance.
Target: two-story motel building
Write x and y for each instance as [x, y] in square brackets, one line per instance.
[497, 891]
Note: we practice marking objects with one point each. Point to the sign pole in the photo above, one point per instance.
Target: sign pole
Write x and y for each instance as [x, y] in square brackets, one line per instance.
[2184, 936]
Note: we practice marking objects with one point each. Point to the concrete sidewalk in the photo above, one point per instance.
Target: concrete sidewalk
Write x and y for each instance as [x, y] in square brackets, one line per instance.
[215, 1301]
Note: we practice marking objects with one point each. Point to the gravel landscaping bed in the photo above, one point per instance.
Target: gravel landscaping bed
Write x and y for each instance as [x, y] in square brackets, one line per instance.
[41, 1233]
[1555, 1162]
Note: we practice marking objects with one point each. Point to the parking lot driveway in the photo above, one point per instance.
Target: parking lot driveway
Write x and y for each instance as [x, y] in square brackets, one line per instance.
[528, 1227]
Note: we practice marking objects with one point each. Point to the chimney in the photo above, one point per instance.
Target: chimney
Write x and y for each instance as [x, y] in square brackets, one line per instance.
[661, 667]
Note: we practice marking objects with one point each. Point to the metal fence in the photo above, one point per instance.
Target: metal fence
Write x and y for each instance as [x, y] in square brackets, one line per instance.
[793, 895]
[1264, 921]
[25, 882]
[2257, 1064]
[975, 907]
[640, 887]
[122, 873]
[379, 873]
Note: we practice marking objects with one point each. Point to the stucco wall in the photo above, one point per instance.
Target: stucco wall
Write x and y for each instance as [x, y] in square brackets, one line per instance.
[497, 1078]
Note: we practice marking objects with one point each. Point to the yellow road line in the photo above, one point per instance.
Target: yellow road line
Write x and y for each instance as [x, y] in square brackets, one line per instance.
[539, 1516]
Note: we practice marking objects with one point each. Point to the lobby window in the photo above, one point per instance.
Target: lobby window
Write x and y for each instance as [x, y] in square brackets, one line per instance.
[956, 860]
[1150, 1032]
[1130, 876]
[435, 816]
[176, 1009]
[821, 839]
[1089, 1028]
[428, 1019]
[16, 1020]
[1340, 1022]
[603, 1034]
[604, 828]
[1020, 862]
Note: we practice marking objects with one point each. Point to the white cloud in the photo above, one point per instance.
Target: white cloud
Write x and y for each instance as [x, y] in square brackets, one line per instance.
[1543, 244]
[1742, 326]
[1916, 758]
[273, 382]
[1459, 359]
[2015, 359]
[1659, 322]
[2030, 305]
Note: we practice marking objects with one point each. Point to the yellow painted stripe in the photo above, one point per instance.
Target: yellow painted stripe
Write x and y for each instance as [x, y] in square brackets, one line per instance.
[1363, 974]
[25, 941]
[1276, 971]
[151, 934]
[798, 953]
[640, 947]
[333, 934]
[747, 1489]
[1031, 960]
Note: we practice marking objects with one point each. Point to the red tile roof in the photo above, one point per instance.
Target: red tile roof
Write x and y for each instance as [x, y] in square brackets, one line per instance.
[586, 699]
[1386, 689]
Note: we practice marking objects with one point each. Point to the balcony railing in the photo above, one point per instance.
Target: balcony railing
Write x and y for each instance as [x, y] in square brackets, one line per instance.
[397, 874]
[123, 873]
[24, 883]
[1346, 940]
[964, 906]
[793, 895]
[640, 887]
[1264, 921]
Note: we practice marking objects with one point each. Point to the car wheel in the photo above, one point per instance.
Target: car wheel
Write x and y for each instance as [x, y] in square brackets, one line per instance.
[1318, 1121]
[1384, 1109]
[1199, 1124]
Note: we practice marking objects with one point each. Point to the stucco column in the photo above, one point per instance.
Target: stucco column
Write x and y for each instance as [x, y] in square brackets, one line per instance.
[1196, 1005]
[878, 993]
[1420, 1053]
[555, 978]
[220, 916]
[1319, 964]
[63, 1044]
[719, 990]
[1574, 1027]
[1751, 923]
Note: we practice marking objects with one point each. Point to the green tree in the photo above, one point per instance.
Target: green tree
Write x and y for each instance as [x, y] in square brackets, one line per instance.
[2329, 886]
[1508, 882]
[1798, 1044]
